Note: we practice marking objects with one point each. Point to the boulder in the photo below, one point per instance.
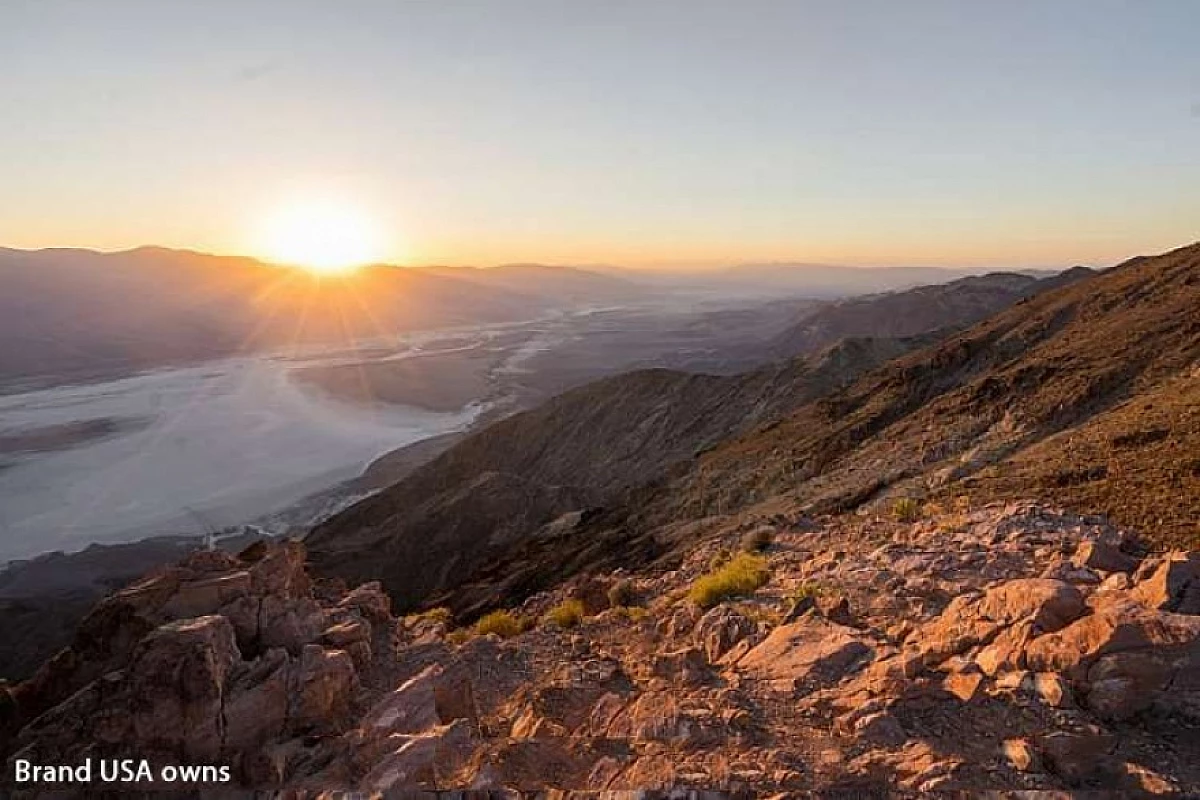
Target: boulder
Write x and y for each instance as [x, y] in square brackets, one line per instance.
[1174, 585]
[206, 595]
[1116, 582]
[966, 686]
[720, 629]
[1103, 556]
[290, 623]
[175, 687]
[1017, 680]
[807, 653]
[429, 699]
[421, 760]
[1114, 627]
[1140, 780]
[1048, 604]
[955, 631]
[1052, 690]
[322, 689]
[1006, 652]
[369, 600]
[281, 572]
[256, 709]
[1022, 755]
[343, 634]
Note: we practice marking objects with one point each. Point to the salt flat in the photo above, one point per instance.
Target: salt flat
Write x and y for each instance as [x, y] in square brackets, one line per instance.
[231, 440]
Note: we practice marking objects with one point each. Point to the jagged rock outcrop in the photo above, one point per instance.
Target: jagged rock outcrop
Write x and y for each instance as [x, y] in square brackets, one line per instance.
[205, 663]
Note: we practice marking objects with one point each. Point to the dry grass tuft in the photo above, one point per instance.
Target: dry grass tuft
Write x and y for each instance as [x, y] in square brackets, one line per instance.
[740, 576]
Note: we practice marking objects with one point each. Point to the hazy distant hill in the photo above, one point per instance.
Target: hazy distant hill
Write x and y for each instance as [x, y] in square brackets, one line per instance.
[551, 283]
[77, 313]
[924, 308]
[825, 281]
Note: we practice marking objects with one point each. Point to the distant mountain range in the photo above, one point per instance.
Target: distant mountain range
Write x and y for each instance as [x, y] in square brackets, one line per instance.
[825, 281]
[70, 314]
[67, 314]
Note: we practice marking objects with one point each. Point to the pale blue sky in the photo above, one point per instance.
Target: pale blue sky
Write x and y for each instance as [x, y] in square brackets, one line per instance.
[657, 131]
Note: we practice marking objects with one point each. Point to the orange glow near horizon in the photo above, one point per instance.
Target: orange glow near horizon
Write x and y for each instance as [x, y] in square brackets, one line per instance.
[322, 235]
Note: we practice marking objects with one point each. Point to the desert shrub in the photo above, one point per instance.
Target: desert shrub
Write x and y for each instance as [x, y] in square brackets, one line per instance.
[806, 590]
[906, 509]
[630, 613]
[503, 623]
[622, 594]
[566, 614]
[440, 615]
[740, 576]
[758, 540]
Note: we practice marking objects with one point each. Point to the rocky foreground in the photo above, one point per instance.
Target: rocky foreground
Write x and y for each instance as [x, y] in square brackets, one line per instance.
[1004, 648]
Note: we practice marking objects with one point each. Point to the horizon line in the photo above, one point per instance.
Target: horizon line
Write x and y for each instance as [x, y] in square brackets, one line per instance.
[655, 266]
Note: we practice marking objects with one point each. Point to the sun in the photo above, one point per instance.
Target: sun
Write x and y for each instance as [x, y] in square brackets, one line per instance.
[324, 236]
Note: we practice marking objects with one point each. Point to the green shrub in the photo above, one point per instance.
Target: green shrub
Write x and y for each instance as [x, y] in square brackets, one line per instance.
[566, 614]
[758, 540]
[740, 576]
[906, 509]
[502, 623]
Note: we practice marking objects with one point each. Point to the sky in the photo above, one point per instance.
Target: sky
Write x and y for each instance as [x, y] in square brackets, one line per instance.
[635, 132]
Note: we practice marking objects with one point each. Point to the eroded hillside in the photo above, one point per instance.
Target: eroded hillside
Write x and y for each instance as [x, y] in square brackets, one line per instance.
[997, 410]
[487, 495]
[1074, 365]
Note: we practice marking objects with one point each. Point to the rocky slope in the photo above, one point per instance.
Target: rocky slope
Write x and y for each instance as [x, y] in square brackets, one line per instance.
[1081, 391]
[575, 453]
[1005, 647]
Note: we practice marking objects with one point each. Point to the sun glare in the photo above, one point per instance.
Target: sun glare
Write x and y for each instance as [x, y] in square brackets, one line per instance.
[323, 236]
